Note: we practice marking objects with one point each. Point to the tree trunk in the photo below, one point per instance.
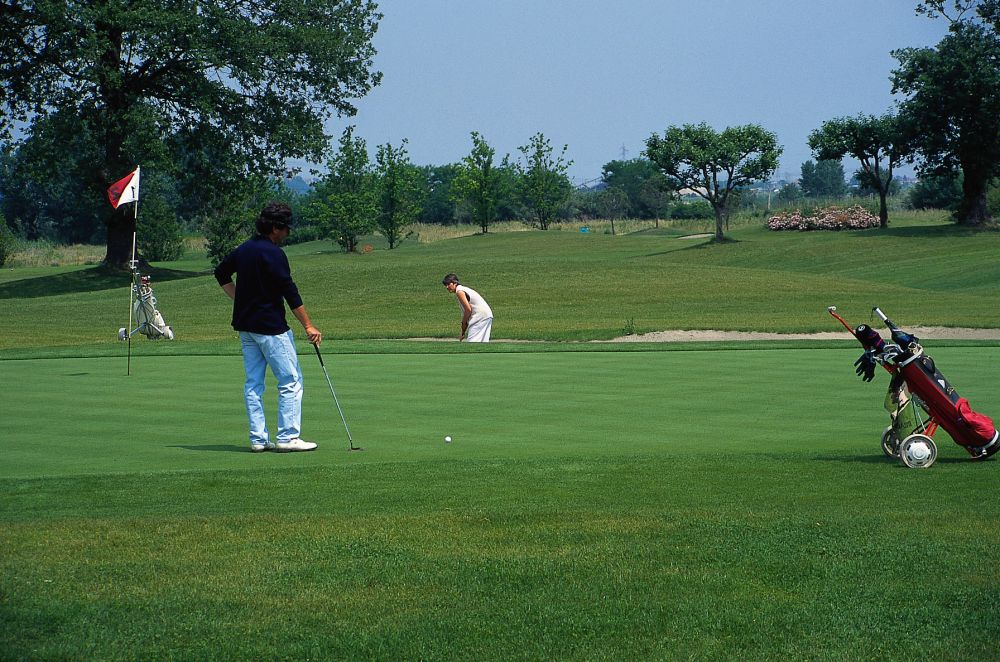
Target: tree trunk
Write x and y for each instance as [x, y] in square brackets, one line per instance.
[121, 229]
[973, 210]
[720, 219]
[115, 104]
[883, 208]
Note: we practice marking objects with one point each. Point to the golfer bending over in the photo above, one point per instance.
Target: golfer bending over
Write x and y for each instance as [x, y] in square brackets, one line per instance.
[477, 317]
[263, 279]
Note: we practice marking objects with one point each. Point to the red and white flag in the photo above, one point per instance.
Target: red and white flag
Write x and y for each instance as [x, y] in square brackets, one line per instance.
[125, 189]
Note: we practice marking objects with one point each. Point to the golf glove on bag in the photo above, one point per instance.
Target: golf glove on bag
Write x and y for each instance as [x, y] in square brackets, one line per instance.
[865, 366]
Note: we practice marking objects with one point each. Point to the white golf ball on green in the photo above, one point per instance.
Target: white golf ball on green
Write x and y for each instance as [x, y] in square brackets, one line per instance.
[447, 440]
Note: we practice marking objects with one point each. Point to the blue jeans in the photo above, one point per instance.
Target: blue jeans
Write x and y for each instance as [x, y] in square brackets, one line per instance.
[260, 351]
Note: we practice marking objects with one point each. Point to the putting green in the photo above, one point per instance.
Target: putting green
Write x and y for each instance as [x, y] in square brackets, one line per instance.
[182, 413]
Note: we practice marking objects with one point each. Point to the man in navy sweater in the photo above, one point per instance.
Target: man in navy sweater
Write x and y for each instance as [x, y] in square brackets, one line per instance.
[263, 285]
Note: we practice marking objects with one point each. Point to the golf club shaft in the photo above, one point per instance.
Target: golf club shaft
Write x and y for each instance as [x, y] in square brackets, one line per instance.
[334, 393]
[842, 321]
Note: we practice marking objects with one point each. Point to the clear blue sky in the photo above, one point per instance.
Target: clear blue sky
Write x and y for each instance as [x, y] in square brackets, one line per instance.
[602, 76]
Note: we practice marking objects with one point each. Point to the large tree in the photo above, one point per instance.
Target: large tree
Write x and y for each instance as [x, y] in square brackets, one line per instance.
[249, 81]
[880, 144]
[713, 163]
[953, 99]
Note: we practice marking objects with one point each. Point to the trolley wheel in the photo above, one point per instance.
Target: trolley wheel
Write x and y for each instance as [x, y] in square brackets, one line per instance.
[918, 451]
[170, 333]
[121, 334]
[890, 443]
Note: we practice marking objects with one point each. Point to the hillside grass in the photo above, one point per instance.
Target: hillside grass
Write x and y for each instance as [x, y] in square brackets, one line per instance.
[558, 285]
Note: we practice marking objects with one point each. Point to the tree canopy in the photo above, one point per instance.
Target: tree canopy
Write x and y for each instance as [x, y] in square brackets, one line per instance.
[879, 143]
[713, 163]
[230, 87]
[823, 179]
[953, 101]
[543, 186]
[987, 11]
[344, 201]
[481, 182]
[398, 192]
[647, 189]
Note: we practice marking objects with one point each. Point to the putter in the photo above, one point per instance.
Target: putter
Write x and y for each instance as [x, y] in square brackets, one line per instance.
[350, 441]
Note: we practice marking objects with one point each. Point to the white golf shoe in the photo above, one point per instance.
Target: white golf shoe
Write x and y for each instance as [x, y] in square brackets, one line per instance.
[260, 448]
[294, 445]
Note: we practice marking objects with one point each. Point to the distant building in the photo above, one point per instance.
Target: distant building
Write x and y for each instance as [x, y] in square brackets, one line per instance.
[696, 192]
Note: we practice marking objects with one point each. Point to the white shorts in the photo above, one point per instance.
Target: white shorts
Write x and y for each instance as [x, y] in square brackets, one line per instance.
[479, 331]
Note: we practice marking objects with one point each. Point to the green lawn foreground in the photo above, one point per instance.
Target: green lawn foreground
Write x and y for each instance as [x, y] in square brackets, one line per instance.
[598, 505]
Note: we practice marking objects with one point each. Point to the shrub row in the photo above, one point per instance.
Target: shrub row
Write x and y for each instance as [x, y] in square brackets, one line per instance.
[829, 218]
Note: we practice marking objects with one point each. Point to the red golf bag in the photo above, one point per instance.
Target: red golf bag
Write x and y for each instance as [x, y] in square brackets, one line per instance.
[928, 388]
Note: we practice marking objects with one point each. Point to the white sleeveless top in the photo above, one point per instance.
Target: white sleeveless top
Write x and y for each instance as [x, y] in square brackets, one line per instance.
[480, 309]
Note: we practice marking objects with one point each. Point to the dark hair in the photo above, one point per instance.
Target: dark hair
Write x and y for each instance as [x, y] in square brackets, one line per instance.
[274, 215]
[450, 278]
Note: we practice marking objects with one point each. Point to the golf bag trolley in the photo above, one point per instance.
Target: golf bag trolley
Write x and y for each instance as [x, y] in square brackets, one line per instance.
[920, 399]
[148, 320]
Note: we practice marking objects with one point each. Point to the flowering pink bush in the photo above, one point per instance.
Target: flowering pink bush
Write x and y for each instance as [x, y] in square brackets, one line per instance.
[828, 218]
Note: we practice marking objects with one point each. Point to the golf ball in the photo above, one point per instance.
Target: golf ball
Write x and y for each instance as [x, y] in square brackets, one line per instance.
[447, 440]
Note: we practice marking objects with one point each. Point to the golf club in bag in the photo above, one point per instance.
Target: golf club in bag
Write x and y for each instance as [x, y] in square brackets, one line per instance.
[350, 440]
[148, 320]
[917, 385]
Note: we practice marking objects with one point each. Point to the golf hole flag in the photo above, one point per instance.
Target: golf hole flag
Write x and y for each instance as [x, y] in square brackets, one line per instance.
[125, 189]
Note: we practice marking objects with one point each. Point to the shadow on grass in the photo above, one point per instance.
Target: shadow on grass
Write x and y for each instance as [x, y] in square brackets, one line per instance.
[890, 462]
[924, 231]
[706, 244]
[866, 459]
[84, 280]
[219, 448]
[658, 232]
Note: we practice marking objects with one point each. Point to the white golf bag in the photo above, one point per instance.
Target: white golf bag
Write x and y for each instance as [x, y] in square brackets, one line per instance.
[148, 320]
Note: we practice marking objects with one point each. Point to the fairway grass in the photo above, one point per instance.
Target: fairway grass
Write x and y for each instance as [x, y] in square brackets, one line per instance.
[556, 286]
[595, 505]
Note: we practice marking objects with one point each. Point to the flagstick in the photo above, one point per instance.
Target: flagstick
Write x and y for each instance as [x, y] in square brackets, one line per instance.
[131, 291]
[115, 197]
